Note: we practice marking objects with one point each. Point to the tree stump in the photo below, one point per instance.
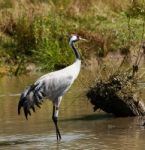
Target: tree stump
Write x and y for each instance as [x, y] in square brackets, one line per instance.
[117, 96]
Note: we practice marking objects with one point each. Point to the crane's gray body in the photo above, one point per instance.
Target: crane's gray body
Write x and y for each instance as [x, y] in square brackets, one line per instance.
[55, 84]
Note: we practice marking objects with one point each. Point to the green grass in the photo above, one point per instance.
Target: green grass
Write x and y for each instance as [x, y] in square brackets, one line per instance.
[37, 31]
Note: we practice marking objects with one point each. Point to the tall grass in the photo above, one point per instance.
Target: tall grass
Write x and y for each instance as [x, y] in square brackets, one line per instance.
[37, 31]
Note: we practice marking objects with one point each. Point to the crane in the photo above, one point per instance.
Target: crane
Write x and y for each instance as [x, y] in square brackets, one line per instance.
[51, 86]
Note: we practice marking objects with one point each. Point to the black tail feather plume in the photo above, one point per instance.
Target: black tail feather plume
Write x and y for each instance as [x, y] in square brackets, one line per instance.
[29, 98]
[33, 108]
[21, 102]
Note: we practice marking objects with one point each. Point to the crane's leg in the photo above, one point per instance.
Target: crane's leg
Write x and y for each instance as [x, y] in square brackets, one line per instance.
[55, 117]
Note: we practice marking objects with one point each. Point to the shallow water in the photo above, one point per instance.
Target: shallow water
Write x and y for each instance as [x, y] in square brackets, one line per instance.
[81, 128]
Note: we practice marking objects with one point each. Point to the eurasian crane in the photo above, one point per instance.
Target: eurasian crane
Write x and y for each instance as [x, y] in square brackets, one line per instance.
[52, 86]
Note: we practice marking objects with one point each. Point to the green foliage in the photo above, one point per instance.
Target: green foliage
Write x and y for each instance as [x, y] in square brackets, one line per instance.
[24, 36]
[6, 4]
[39, 35]
[52, 51]
[136, 9]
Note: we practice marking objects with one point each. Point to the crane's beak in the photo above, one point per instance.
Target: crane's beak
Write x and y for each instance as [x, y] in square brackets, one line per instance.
[83, 39]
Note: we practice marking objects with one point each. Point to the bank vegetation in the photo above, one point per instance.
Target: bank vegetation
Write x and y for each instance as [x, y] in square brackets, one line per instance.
[34, 33]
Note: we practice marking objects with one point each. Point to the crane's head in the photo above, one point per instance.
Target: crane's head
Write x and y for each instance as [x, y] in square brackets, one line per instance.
[75, 38]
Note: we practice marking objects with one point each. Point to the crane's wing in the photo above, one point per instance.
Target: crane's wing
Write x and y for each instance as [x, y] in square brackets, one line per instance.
[44, 87]
[33, 95]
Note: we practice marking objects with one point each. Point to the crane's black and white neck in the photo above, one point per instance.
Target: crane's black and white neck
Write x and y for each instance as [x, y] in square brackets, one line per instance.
[51, 86]
[74, 39]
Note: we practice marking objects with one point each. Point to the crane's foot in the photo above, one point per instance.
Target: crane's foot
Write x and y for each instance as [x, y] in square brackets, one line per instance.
[58, 135]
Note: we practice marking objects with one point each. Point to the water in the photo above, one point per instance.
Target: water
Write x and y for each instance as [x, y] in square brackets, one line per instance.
[81, 128]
